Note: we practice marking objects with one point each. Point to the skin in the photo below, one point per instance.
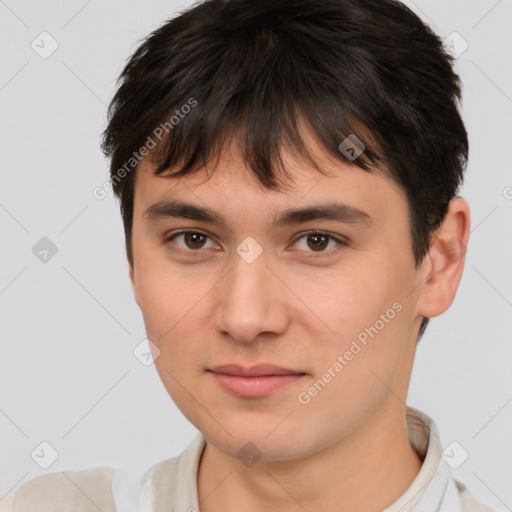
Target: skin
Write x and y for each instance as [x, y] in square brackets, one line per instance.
[349, 444]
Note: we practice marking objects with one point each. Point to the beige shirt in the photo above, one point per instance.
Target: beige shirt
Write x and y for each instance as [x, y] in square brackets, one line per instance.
[171, 485]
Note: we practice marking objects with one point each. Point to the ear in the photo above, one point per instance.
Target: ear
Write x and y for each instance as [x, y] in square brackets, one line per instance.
[443, 265]
[134, 286]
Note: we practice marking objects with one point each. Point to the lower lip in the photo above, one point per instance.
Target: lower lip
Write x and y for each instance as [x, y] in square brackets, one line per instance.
[254, 387]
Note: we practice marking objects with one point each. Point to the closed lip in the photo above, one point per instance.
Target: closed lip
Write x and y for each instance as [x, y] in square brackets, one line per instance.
[254, 371]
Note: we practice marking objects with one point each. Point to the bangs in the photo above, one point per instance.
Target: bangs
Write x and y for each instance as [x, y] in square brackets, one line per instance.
[259, 83]
[261, 130]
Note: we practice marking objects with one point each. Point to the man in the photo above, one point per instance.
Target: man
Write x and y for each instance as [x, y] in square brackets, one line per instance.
[287, 173]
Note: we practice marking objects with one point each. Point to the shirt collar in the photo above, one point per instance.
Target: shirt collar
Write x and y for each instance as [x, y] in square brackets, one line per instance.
[432, 488]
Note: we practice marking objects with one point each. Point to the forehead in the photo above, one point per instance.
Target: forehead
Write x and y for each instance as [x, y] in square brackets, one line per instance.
[229, 186]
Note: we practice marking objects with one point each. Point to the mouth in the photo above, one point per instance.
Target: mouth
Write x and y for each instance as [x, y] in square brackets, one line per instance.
[256, 381]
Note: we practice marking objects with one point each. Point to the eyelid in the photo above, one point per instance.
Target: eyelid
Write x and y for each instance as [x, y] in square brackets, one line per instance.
[169, 237]
[340, 241]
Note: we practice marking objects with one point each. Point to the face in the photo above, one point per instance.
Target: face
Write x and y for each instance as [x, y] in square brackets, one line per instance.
[285, 334]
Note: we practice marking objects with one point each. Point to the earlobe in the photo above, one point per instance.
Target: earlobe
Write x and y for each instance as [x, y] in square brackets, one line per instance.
[444, 262]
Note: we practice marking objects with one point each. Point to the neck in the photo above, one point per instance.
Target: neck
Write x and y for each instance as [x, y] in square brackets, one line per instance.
[365, 471]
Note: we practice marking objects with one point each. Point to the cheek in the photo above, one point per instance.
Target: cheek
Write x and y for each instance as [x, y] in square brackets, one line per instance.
[365, 320]
[356, 372]
[165, 294]
[341, 304]
[177, 310]
[169, 306]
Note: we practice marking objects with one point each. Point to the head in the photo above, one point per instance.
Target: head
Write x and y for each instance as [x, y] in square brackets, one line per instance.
[249, 110]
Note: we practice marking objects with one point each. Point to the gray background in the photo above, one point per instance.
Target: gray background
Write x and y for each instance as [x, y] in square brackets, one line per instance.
[69, 325]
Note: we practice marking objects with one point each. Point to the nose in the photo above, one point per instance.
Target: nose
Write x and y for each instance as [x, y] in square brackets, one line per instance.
[251, 301]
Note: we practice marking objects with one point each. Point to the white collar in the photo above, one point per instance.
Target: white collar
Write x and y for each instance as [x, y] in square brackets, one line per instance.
[172, 484]
[434, 488]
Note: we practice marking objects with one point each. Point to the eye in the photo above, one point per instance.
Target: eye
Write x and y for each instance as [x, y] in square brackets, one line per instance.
[318, 241]
[193, 240]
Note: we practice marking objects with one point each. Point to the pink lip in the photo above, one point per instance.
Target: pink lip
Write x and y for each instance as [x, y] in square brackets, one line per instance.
[256, 381]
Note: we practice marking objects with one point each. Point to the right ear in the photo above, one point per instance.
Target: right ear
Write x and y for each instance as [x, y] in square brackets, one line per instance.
[134, 287]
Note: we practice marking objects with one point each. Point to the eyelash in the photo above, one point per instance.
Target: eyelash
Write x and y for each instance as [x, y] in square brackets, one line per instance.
[340, 243]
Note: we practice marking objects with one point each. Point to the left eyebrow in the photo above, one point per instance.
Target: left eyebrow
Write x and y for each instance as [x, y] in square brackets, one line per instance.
[339, 212]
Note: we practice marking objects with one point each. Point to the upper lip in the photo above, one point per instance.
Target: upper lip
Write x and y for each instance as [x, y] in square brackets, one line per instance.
[254, 371]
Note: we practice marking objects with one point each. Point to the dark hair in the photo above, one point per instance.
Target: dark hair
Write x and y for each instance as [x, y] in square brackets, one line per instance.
[253, 69]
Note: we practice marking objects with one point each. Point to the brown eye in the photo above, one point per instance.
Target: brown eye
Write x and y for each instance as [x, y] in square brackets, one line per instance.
[318, 242]
[192, 241]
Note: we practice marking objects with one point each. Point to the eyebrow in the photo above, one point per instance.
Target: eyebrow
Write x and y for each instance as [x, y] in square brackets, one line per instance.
[339, 212]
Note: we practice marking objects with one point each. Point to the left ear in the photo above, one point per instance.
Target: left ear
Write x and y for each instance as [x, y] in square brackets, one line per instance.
[443, 265]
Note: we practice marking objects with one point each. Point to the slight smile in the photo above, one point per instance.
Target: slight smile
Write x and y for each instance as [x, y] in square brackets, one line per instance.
[256, 381]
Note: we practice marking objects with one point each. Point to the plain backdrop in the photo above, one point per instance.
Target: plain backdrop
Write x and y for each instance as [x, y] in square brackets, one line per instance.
[69, 323]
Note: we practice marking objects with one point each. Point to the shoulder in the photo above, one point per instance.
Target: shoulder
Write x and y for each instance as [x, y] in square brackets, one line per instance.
[162, 470]
[174, 480]
[102, 488]
[159, 482]
[467, 502]
[81, 491]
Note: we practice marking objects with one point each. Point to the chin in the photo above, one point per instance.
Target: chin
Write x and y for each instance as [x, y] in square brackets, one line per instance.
[260, 440]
